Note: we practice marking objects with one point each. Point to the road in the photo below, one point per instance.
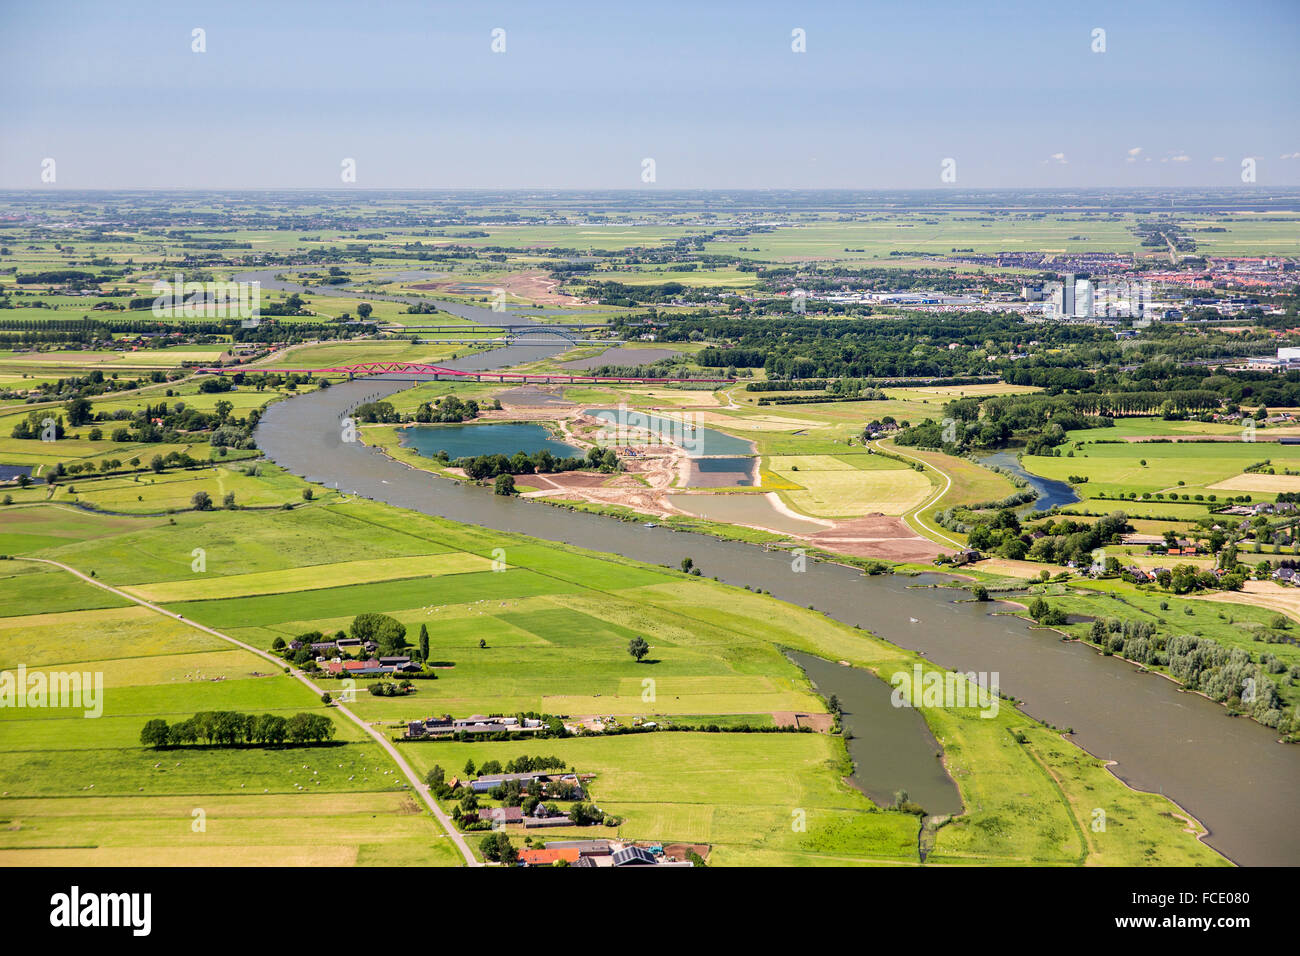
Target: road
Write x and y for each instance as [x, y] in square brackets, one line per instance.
[406, 768]
[916, 513]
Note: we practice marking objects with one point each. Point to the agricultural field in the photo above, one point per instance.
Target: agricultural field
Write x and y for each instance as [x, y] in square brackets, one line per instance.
[555, 623]
[80, 790]
[936, 234]
[187, 608]
[850, 485]
[1173, 468]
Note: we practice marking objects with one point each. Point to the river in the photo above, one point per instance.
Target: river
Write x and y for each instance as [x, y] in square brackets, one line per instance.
[1230, 774]
[1051, 494]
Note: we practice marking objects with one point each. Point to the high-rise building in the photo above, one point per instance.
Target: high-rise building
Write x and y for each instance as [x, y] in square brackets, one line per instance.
[1067, 296]
[1056, 299]
[1083, 299]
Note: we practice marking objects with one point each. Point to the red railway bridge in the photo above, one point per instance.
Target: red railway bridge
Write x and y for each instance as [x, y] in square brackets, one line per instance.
[437, 371]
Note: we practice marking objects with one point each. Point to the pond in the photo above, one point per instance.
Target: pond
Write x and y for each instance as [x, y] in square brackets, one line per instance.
[721, 472]
[10, 472]
[1232, 775]
[696, 440]
[892, 747]
[503, 438]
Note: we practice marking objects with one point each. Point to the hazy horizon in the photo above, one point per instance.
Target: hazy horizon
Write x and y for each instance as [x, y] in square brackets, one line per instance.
[582, 94]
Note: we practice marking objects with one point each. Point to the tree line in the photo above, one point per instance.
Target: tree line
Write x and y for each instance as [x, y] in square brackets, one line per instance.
[228, 728]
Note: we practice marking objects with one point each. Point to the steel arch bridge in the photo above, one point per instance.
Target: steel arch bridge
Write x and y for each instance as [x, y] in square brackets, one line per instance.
[514, 332]
[437, 371]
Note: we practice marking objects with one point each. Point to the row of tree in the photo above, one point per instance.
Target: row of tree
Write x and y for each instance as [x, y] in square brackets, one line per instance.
[227, 728]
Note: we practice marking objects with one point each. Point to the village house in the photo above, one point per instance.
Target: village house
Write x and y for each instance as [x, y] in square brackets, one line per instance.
[501, 814]
[547, 778]
[598, 853]
[445, 726]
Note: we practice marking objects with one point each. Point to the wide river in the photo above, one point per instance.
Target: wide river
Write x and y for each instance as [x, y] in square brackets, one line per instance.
[1230, 774]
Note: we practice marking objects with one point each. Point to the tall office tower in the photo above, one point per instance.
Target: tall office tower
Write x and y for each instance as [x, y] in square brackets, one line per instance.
[1109, 299]
[1056, 308]
[1067, 295]
[1083, 298]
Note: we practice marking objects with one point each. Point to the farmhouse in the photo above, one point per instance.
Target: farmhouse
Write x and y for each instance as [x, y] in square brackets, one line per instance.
[547, 857]
[445, 727]
[584, 847]
[547, 778]
[373, 667]
[599, 853]
[501, 814]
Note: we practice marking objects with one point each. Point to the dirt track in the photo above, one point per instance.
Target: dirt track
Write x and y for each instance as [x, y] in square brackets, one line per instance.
[653, 472]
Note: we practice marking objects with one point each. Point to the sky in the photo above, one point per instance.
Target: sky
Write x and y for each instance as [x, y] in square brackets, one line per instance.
[1015, 94]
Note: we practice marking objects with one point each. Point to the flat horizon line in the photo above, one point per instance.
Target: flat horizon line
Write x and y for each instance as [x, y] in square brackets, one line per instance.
[957, 190]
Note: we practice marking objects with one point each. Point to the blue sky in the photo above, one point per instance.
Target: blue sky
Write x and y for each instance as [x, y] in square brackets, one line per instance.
[711, 91]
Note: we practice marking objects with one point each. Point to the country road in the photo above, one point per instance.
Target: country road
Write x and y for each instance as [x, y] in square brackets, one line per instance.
[916, 512]
[379, 738]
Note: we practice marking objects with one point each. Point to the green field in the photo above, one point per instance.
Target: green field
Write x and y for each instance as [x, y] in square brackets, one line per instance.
[556, 624]
[850, 485]
[1170, 468]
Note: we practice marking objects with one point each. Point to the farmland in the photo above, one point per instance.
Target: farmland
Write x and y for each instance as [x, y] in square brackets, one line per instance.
[84, 791]
[868, 456]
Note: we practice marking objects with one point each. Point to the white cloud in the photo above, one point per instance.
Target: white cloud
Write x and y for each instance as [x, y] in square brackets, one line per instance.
[1058, 158]
[1133, 154]
[1217, 159]
[1181, 158]
[1289, 156]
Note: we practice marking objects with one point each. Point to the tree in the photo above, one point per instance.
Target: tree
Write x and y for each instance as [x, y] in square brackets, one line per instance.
[497, 847]
[585, 815]
[980, 592]
[201, 501]
[638, 648]
[228, 502]
[507, 852]
[307, 494]
[424, 642]
[155, 734]
[504, 485]
[156, 464]
[78, 410]
[389, 633]
[272, 729]
[364, 309]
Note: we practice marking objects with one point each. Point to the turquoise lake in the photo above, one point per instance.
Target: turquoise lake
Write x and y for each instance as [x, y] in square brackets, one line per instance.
[466, 441]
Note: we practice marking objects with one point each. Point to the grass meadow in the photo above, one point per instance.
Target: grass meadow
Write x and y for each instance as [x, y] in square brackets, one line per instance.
[555, 622]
